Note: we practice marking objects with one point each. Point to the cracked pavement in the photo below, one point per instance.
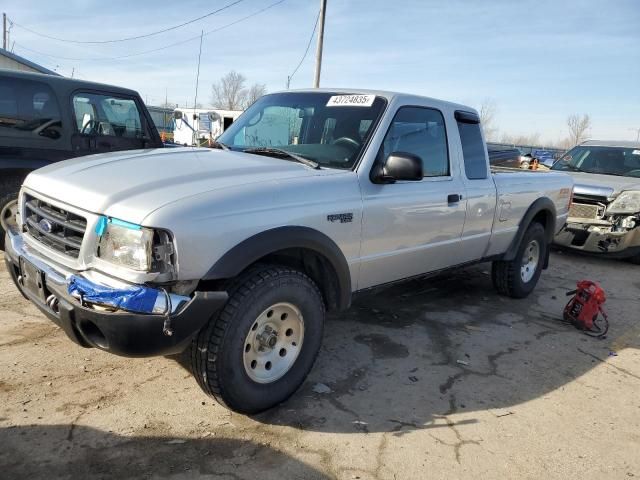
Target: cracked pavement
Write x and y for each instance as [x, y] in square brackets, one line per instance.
[433, 378]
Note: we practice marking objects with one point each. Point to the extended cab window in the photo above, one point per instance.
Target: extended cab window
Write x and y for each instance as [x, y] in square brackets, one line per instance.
[473, 149]
[107, 115]
[28, 109]
[419, 131]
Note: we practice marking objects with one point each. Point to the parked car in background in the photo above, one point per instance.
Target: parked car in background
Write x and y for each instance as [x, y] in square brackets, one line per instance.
[605, 213]
[235, 253]
[503, 156]
[47, 118]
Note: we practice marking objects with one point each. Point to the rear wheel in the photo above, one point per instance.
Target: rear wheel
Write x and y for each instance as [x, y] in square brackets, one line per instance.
[259, 348]
[518, 277]
[8, 205]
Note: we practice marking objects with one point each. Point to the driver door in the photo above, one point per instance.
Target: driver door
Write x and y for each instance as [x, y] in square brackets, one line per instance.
[413, 227]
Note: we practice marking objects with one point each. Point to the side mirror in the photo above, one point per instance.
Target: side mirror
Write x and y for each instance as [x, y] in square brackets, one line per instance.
[400, 166]
[177, 115]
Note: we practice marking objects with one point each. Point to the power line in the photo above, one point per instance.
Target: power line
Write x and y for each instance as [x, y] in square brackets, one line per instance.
[315, 26]
[247, 17]
[137, 37]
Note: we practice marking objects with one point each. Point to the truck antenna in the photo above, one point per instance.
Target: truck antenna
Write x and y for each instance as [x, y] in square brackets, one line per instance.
[195, 100]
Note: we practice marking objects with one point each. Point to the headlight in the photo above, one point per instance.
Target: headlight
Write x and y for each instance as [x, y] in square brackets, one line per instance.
[125, 244]
[627, 202]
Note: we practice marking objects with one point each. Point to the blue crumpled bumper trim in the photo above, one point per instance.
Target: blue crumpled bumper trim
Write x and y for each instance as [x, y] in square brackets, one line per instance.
[137, 298]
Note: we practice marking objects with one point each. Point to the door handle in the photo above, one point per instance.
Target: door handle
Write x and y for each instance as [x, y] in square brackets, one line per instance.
[454, 198]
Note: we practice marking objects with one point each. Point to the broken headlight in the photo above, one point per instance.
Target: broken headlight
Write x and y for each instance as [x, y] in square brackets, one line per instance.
[627, 202]
[125, 244]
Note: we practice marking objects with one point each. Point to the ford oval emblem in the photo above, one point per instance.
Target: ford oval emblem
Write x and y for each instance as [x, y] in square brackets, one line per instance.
[46, 225]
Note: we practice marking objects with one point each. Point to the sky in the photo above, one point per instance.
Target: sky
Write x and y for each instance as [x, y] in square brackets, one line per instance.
[536, 61]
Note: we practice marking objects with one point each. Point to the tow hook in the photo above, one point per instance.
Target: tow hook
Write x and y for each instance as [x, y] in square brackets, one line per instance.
[166, 326]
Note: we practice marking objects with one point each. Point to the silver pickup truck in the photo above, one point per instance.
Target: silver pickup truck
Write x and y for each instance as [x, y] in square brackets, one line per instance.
[233, 255]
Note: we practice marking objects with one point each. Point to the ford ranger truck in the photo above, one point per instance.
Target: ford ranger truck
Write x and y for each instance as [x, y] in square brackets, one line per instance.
[233, 255]
[604, 218]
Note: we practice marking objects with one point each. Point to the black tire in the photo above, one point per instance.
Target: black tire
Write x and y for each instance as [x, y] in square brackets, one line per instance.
[9, 189]
[506, 275]
[216, 354]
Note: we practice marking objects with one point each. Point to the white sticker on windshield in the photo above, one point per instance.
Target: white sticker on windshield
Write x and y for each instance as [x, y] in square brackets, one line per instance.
[636, 152]
[351, 101]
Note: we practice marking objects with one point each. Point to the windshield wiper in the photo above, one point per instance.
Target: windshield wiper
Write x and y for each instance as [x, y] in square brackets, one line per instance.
[279, 153]
[220, 146]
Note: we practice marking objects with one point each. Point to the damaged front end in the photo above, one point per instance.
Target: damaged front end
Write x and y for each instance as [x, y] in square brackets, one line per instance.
[98, 310]
[603, 225]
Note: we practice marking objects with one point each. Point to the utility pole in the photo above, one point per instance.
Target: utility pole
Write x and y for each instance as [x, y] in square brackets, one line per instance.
[323, 11]
[4, 31]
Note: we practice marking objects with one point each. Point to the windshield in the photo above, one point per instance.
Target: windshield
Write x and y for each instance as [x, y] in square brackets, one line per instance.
[328, 128]
[603, 160]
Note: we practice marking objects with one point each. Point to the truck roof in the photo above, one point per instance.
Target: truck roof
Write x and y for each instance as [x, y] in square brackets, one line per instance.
[403, 97]
[64, 83]
[612, 143]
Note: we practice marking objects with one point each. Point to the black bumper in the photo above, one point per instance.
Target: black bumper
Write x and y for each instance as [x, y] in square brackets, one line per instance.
[123, 333]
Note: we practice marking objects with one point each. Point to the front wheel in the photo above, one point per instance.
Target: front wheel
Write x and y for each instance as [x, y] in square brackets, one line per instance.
[518, 277]
[257, 351]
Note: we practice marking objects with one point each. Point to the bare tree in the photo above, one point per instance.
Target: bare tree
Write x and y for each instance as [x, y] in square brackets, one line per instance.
[254, 93]
[230, 92]
[487, 118]
[578, 126]
[531, 139]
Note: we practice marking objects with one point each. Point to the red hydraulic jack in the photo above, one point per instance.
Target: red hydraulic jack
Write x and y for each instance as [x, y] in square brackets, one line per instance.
[585, 307]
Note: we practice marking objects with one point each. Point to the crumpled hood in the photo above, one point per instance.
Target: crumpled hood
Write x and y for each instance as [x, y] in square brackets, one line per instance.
[130, 185]
[608, 186]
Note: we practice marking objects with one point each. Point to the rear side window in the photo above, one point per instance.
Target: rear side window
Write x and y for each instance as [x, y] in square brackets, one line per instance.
[419, 131]
[107, 115]
[28, 109]
[473, 150]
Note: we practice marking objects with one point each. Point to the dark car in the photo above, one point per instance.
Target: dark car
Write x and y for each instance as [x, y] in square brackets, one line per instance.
[47, 118]
[503, 156]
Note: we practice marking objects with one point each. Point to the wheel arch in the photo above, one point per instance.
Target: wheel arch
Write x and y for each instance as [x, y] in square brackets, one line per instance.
[304, 248]
[542, 211]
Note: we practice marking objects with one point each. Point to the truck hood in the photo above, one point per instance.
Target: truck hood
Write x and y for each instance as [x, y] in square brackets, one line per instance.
[130, 185]
[608, 186]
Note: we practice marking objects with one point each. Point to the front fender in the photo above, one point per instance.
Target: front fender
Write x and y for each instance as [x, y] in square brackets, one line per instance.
[249, 251]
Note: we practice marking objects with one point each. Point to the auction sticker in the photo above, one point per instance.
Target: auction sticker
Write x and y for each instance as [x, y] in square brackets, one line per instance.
[636, 152]
[351, 101]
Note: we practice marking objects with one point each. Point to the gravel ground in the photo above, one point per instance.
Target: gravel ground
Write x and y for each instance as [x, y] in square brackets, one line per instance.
[436, 378]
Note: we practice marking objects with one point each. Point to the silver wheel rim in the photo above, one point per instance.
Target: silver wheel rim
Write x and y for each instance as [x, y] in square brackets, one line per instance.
[8, 214]
[530, 260]
[273, 343]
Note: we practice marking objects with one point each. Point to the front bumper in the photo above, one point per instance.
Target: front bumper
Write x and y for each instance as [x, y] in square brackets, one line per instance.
[595, 238]
[118, 332]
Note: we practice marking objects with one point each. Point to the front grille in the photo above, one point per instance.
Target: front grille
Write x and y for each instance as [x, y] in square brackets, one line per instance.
[55, 227]
[584, 210]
